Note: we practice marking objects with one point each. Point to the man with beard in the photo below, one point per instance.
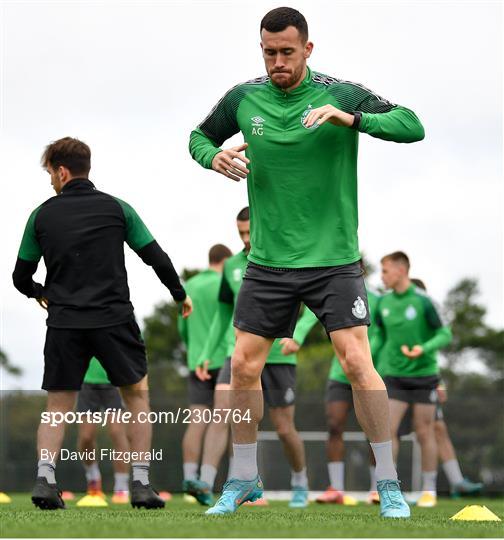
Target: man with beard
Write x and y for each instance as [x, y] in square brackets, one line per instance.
[301, 136]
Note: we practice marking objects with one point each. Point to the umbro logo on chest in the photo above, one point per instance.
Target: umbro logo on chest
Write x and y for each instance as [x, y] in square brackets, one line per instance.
[258, 125]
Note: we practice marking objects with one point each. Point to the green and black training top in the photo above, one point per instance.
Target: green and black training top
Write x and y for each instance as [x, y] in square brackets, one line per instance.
[80, 233]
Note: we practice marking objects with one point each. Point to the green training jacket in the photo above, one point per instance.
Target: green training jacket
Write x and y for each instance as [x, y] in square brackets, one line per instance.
[302, 185]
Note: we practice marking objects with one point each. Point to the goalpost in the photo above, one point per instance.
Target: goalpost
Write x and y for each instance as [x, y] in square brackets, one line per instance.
[359, 436]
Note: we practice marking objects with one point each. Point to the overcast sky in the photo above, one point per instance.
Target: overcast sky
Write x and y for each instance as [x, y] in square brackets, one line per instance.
[133, 78]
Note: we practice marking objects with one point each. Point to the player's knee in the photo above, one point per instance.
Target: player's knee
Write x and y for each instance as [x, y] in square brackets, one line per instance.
[85, 442]
[335, 428]
[285, 429]
[355, 367]
[424, 431]
[440, 429]
[244, 371]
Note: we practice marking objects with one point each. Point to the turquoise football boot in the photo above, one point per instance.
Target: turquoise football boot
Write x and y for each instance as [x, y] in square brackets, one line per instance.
[235, 493]
[392, 502]
[200, 490]
[466, 487]
[299, 497]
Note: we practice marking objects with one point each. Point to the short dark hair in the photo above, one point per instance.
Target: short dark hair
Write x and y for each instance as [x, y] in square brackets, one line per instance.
[279, 19]
[68, 152]
[397, 257]
[243, 214]
[419, 283]
[218, 253]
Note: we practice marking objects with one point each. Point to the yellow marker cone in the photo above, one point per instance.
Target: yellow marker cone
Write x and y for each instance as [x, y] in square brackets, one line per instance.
[92, 500]
[475, 512]
[4, 498]
[348, 500]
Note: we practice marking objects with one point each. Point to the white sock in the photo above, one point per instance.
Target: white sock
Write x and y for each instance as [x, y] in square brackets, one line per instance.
[47, 469]
[121, 481]
[372, 476]
[452, 470]
[245, 461]
[208, 474]
[92, 472]
[337, 474]
[299, 479]
[140, 471]
[230, 468]
[190, 471]
[385, 468]
[429, 481]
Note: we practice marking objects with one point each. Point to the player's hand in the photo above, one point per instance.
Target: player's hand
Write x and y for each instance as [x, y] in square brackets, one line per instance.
[43, 302]
[442, 394]
[186, 307]
[202, 371]
[232, 163]
[328, 113]
[289, 346]
[415, 351]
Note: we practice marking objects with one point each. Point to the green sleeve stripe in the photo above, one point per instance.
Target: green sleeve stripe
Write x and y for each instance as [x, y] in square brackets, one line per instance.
[30, 249]
[137, 234]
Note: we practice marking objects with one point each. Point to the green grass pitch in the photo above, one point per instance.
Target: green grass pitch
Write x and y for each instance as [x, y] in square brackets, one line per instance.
[181, 519]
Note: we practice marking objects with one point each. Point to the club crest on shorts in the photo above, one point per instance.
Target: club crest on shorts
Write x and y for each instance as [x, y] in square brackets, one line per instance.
[304, 115]
[289, 395]
[359, 308]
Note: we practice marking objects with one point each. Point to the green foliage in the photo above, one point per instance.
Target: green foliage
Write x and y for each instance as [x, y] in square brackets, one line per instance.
[9, 368]
[470, 332]
[465, 315]
[161, 334]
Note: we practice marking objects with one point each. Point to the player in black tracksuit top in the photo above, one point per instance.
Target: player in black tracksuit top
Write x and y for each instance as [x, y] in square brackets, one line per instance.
[80, 233]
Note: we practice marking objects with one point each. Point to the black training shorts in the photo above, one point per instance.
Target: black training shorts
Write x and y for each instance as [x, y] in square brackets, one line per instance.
[269, 299]
[202, 392]
[413, 389]
[98, 398]
[68, 351]
[339, 391]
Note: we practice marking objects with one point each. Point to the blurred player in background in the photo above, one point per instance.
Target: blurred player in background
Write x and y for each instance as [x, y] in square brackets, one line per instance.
[203, 289]
[278, 380]
[98, 394]
[459, 485]
[80, 233]
[301, 132]
[412, 331]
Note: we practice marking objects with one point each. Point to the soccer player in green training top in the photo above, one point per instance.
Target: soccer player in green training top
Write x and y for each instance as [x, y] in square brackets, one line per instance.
[203, 289]
[412, 331]
[278, 379]
[98, 394]
[301, 132]
[80, 233]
